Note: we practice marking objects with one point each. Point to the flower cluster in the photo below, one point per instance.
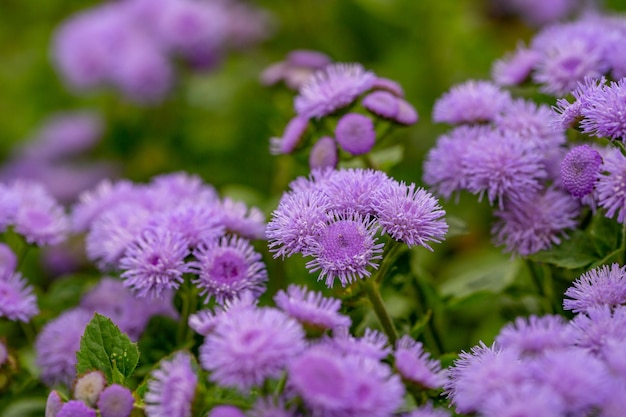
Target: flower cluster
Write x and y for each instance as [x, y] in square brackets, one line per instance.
[548, 366]
[328, 98]
[334, 217]
[128, 44]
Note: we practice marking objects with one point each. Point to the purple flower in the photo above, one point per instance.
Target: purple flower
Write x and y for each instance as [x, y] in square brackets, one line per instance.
[598, 325]
[535, 335]
[251, 345]
[74, 408]
[604, 112]
[515, 68]
[373, 344]
[311, 308]
[354, 189]
[503, 166]
[611, 185]
[601, 286]
[8, 206]
[409, 214]
[205, 321]
[537, 223]
[172, 388]
[344, 386]
[17, 301]
[57, 344]
[569, 114]
[382, 103]
[155, 263]
[332, 88]
[8, 259]
[345, 248]
[407, 115]
[428, 411]
[538, 12]
[470, 102]
[116, 401]
[267, 407]
[323, 154]
[528, 399]
[297, 68]
[53, 404]
[388, 85]
[248, 222]
[292, 136]
[226, 411]
[415, 365]
[172, 188]
[298, 217]
[228, 267]
[195, 222]
[355, 133]
[580, 170]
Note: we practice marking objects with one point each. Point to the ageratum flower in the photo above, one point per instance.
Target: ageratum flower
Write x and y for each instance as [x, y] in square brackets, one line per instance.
[569, 114]
[536, 223]
[172, 388]
[604, 112]
[116, 401]
[599, 325]
[535, 335]
[332, 88]
[373, 344]
[410, 214]
[8, 259]
[515, 68]
[155, 263]
[74, 408]
[53, 404]
[353, 189]
[531, 123]
[526, 399]
[580, 170]
[428, 411]
[195, 222]
[292, 136]
[324, 154]
[268, 407]
[601, 286]
[8, 206]
[227, 268]
[415, 365]
[17, 301]
[311, 308]
[205, 321]
[611, 185]
[355, 133]
[237, 218]
[225, 411]
[250, 345]
[92, 203]
[470, 102]
[345, 248]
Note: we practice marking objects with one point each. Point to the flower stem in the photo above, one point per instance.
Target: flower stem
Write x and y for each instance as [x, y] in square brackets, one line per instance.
[188, 295]
[394, 249]
[371, 289]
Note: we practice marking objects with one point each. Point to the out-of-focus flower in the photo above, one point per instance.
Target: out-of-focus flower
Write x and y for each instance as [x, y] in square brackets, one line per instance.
[601, 286]
[470, 102]
[172, 388]
[17, 301]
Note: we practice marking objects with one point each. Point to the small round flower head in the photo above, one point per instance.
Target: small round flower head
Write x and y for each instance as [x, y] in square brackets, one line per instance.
[268, 407]
[410, 215]
[205, 321]
[355, 133]
[470, 102]
[8, 259]
[53, 404]
[17, 301]
[345, 248]
[391, 86]
[57, 344]
[181, 186]
[116, 401]
[248, 222]
[580, 170]
[428, 411]
[88, 387]
[415, 365]
[538, 12]
[532, 123]
[298, 66]
[324, 154]
[536, 224]
[74, 408]
[354, 189]
[597, 326]
[298, 217]
[292, 136]
[502, 166]
[251, 345]
[535, 335]
[569, 114]
[382, 103]
[515, 68]
[332, 88]
[407, 115]
[228, 267]
[528, 399]
[155, 263]
[611, 185]
[311, 308]
[601, 286]
[226, 411]
[373, 344]
[172, 388]
[336, 386]
[39, 218]
[604, 113]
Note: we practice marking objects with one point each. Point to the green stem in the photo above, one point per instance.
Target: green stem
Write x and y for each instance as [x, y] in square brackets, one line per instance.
[371, 289]
[547, 303]
[394, 249]
[188, 294]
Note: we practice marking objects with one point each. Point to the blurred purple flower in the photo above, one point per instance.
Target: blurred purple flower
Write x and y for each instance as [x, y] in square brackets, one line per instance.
[604, 112]
[172, 387]
[116, 401]
[296, 69]
[515, 68]
[373, 344]
[17, 301]
[611, 185]
[74, 408]
[600, 286]
[416, 366]
[470, 102]
[292, 136]
[534, 335]
[324, 154]
[355, 133]
[8, 259]
[311, 308]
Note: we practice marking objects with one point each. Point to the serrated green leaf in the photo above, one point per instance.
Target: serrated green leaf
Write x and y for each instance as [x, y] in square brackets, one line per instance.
[576, 252]
[104, 347]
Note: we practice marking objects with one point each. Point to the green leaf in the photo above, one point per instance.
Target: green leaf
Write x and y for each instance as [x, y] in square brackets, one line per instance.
[419, 325]
[605, 234]
[105, 348]
[577, 252]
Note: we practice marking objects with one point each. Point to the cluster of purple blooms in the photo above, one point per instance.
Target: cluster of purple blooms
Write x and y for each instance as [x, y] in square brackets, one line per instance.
[548, 366]
[561, 55]
[334, 217]
[344, 103]
[507, 150]
[539, 12]
[133, 44]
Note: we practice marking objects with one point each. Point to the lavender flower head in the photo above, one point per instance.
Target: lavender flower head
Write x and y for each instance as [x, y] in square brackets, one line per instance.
[415, 365]
[354, 189]
[332, 88]
[323, 154]
[428, 411]
[8, 259]
[296, 69]
[611, 185]
[53, 404]
[515, 68]
[226, 411]
[373, 344]
[604, 112]
[172, 388]
[598, 326]
[470, 102]
[601, 286]
[17, 301]
[251, 345]
[205, 321]
[528, 399]
[410, 214]
[116, 401]
[569, 114]
[580, 170]
[74, 408]
[8, 206]
[237, 218]
[535, 335]
[538, 12]
[536, 224]
[292, 136]
[155, 263]
[228, 267]
[355, 133]
[345, 248]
